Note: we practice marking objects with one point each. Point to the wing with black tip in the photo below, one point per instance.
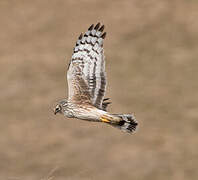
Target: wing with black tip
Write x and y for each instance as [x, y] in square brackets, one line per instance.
[86, 72]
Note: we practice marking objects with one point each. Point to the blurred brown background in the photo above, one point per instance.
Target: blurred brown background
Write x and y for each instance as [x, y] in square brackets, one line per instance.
[151, 60]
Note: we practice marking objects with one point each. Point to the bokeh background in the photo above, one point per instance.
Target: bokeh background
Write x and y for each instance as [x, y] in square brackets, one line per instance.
[151, 53]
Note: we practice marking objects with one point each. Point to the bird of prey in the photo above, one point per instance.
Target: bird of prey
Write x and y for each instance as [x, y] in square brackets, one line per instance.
[87, 82]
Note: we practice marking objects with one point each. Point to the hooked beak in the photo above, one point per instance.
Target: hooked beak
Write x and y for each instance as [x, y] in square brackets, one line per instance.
[55, 111]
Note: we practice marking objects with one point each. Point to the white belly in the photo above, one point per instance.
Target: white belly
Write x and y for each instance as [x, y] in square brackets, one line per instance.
[89, 114]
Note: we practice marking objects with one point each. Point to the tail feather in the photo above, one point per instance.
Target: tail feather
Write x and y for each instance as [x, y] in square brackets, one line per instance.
[127, 123]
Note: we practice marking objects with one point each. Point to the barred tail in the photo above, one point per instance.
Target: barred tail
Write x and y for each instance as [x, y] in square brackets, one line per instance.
[127, 123]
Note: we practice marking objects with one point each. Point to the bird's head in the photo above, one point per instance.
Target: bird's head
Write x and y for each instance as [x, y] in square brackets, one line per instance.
[60, 107]
[57, 109]
[63, 107]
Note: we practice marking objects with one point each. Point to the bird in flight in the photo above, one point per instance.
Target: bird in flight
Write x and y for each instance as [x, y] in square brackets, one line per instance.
[86, 79]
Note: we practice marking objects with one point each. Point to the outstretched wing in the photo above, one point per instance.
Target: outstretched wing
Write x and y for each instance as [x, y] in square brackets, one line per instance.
[86, 72]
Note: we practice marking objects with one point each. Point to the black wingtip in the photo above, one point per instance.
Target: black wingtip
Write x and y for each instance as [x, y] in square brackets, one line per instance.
[97, 26]
[103, 35]
[80, 37]
[101, 28]
[91, 27]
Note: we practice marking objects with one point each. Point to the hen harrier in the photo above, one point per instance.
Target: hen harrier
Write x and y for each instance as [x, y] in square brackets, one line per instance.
[87, 81]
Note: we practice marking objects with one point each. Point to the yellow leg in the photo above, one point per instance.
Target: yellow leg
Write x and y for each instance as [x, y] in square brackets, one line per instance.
[105, 119]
